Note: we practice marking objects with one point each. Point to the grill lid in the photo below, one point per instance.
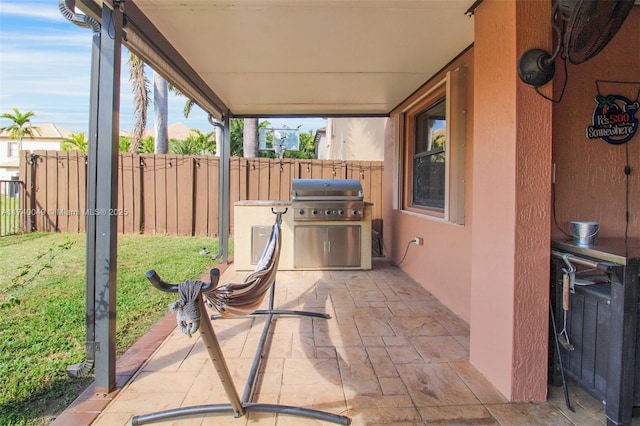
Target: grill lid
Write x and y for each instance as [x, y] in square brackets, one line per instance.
[326, 189]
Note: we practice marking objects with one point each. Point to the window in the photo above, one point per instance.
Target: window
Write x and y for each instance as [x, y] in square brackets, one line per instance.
[429, 156]
[13, 149]
[434, 141]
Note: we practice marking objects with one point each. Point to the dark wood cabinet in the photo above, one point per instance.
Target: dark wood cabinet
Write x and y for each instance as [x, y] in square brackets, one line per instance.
[602, 323]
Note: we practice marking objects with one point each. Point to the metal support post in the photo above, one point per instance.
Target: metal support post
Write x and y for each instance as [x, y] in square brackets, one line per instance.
[83, 368]
[106, 184]
[224, 199]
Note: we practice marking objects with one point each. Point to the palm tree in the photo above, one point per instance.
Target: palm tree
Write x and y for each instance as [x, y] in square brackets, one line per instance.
[21, 126]
[161, 111]
[188, 105]
[76, 142]
[250, 138]
[140, 88]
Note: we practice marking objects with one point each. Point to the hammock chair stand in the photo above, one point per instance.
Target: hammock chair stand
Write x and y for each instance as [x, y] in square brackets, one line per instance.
[236, 406]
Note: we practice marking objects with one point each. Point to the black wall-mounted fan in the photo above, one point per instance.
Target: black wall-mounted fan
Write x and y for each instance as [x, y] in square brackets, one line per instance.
[588, 26]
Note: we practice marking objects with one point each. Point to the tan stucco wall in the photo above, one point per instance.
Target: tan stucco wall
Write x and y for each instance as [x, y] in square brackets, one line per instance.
[443, 263]
[590, 179]
[511, 182]
[355, 138]
[494, 271]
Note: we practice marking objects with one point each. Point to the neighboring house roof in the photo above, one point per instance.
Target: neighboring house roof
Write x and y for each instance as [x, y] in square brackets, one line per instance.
[45, 131]
[176, 131]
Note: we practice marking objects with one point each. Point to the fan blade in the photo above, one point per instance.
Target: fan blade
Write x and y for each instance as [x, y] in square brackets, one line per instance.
[592, 25]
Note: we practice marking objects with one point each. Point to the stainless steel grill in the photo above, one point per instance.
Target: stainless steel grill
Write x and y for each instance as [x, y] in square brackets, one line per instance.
[327, 200]
[318, 244]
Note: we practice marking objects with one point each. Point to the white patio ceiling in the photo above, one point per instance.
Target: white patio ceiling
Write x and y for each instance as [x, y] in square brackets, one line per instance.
[307, 57]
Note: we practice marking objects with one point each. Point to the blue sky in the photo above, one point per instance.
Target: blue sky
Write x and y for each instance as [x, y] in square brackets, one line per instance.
[45, 68]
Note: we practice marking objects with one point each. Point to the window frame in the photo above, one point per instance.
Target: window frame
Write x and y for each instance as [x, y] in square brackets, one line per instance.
[453, 89]
[10, 150]
[412, 121]
[429, 100]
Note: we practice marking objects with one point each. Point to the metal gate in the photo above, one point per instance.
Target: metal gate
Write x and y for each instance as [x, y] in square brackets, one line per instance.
[13, 215]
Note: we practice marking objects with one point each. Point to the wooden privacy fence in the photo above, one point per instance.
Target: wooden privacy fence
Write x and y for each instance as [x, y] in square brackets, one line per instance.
[174, 194]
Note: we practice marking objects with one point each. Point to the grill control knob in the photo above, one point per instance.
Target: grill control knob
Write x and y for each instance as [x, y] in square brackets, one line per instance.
[327, 212]
[301, 211]
[340, 212]
[314, 211]
[355, 212]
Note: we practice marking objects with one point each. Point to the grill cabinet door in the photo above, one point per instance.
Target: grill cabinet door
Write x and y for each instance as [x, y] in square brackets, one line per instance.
[326, 246]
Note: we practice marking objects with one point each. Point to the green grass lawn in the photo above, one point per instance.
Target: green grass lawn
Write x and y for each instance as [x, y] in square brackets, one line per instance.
[10, 219]
[42, 308]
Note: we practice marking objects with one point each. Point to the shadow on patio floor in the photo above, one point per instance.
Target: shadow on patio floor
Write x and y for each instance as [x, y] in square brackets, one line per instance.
[390, 354]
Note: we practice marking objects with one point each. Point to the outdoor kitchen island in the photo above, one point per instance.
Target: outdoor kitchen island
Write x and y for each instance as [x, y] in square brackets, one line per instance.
[350, 239]
[601, 321]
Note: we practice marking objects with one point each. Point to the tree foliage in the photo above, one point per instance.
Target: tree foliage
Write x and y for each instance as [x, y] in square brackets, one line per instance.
[76, 142]
[140, 88]
[146, 146]
[20, 126]
[195, 144]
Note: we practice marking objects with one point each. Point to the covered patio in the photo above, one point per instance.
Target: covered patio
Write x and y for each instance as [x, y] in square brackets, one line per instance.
[390, 354]
[461, 329]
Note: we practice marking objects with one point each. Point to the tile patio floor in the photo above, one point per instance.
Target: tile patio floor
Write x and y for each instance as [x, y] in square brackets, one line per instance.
[390, 354]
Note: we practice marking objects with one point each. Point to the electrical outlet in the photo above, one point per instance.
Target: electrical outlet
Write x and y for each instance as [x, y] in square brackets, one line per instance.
[417, 241]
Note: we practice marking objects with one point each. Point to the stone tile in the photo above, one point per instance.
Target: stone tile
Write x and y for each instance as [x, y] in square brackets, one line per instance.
[376, 326]
[440, 349]
[348, 315]
[269, 383]
[341, 298]
[404, 354]
[170, 355]
[412, 291]
[367, 296]
[584, 413]
[280, 345]
[484, 391]
[528, 414]
[396, 341]
[111, 419]
[387, 291]
[136, 403]
[399, 309]
[464, 341]
[324, 397]
[429, 307]
[326, 352]
[454, 325]
[378, 415]
[381, 362]
[417, 326]
[358, 375]
[392, 386]
[224, 419]
[458, 415]
[174, 381]
[310, 372]
[372, 340]
[289, 420]
[332, 334]
[435, 385]
[365, 362]
[292, 324]
[207, 389]
[302, 346]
